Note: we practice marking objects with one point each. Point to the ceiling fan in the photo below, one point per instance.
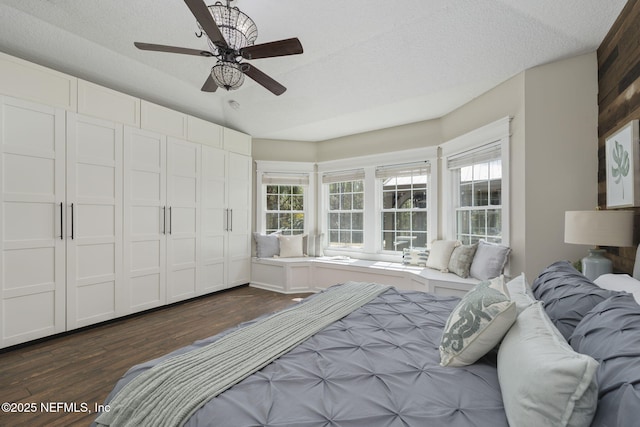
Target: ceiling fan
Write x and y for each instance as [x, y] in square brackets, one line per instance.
[230, 35]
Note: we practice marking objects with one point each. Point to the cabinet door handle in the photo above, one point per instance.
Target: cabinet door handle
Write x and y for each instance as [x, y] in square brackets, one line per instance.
[164, 220]
[231, 221]
[72, 225]
[170, 220]
[61, 221]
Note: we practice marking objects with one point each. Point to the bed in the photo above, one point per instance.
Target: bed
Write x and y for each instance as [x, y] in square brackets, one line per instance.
[381, 364]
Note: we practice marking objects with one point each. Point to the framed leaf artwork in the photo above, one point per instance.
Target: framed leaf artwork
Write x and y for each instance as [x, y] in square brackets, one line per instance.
[622, 158]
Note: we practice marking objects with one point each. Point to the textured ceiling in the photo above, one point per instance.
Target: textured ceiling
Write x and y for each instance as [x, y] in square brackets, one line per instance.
[368, 64]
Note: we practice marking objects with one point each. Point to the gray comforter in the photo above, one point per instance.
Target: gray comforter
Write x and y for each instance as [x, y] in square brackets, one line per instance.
[378, 366]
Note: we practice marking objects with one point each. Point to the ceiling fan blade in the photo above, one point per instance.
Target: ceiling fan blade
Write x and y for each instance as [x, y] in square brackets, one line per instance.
[262, 79]
[209, 85]
[171, 49]
[268, 50]
[206, 21]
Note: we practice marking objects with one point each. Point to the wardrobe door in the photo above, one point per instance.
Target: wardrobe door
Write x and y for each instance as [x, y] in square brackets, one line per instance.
[32, 140]
[183, 227]
[214, 220]
[145, 222]
[94, 233]
[239, 186]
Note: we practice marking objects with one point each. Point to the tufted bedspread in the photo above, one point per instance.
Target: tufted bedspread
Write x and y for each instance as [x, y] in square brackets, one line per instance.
[378, 366]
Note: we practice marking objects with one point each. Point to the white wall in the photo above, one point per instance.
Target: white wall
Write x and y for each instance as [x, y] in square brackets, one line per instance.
[561, 154]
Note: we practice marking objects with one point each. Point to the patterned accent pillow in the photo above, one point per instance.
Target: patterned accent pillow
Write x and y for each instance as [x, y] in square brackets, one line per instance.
[461, 259]
[477, 324]
[415, 256]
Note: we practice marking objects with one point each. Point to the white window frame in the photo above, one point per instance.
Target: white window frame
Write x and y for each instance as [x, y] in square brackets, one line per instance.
[372, 247]
[497, 132]
[401, 170]
[296, 170]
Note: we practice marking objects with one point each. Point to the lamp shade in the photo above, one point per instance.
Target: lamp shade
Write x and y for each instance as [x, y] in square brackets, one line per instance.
[599, 228]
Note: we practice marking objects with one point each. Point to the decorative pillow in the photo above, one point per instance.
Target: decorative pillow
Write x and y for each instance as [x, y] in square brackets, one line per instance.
[415, 256]
[489, 260]
[543, 381]
[520, 293]
[461, 259]
[567, 295]
[267, 246]
[610, 333]
[291, 246]
[620, 282]
[441, 253]
[477, 324]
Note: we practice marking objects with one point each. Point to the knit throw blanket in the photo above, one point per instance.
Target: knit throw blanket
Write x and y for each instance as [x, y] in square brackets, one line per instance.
[170, 392]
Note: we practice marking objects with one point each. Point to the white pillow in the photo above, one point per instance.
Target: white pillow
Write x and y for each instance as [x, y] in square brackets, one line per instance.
[477, 324]
[543, 381]
[620, 282]
[291, 246]
[520, 293]
[440, 254]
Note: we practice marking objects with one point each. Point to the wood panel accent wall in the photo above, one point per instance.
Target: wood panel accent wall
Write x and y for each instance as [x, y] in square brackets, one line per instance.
[619, 103]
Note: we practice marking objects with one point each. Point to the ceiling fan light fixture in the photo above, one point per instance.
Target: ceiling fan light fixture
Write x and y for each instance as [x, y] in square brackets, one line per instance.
[227, 75]
[236, 27]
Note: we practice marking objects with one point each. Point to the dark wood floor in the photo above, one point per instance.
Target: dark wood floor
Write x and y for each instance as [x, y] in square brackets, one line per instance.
[82, 367]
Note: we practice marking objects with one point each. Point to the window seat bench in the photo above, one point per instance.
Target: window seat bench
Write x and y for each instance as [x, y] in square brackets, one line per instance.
[312, 274]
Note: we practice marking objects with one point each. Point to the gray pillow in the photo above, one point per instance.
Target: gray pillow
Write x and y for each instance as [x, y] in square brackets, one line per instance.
[489, 260]
[461, 259]
[567, 295]
[610, 333]
[267, 246]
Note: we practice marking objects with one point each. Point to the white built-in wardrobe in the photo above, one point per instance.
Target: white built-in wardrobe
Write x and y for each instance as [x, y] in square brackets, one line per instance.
[110, 204]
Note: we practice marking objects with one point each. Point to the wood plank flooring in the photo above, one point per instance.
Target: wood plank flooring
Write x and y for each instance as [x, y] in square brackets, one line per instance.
[82, 367]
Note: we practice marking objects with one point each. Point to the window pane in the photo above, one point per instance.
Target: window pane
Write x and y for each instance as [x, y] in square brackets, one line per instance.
[297, 203]
[334, 221]
[346, 201]
[495, 187]
[481, 193]
[388, 199]
[419, 221]
[272, 221]
[466, 195]
[285, 221]
[284, 203]
[345, 221]
[463, 222]
[403, 221]
[420, 199]
[478, 222]
[334, 202]
[404, 212]
[272, 202]
[420, 240]
[358, 201]
[357, 221]
[404, 200]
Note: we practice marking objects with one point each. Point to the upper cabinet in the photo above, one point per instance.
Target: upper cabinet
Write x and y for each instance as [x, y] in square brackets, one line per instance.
[237, 142]
[204, 132]
[163, 120]
[25, 80]
[99, 101]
